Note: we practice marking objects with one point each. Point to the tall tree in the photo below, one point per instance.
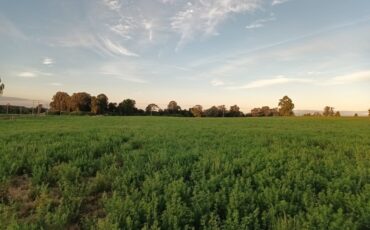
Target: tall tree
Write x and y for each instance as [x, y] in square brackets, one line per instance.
[102, 103]
[94, 105]
[235, 111]
[127, 107]
[197, 111]
[328, 111]
[2, 87]
[60, 102]
[81, 102]
[337, 114]
[222, 109]
[173, 107]
[212, 112]
[286, 106]
[112, 108]
[151, 108]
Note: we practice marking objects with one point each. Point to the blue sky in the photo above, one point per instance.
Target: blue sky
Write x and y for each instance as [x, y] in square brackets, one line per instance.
[208, 52]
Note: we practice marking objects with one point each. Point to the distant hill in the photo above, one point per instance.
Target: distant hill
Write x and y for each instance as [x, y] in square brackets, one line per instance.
[22, 101]
[342, 113]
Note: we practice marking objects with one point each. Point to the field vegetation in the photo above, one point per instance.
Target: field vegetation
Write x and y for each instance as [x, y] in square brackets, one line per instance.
[99, 172]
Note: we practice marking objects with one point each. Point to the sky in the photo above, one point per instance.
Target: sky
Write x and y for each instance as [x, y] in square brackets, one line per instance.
[208, 52]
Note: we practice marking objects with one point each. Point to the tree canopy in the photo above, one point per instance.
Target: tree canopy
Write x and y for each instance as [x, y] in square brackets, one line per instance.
[286, 106]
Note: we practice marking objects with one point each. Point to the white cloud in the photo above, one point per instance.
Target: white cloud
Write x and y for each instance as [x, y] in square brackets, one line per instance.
[360, 76]
[27, 74]
[112, 4]
[272, 81]
[202, 17]
[278, 2]
[216, 82]
[254, 26]
[116, 48]
[260, 23]
[124, 27]
[148, 26]
[48, 61]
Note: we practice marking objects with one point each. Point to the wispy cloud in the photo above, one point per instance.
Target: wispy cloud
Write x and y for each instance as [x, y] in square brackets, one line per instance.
[260, 23]
[32, 74]
[27, 74]
[278, 2]
[360, 76]
[116, 48]
[201, 18]
[112, 4]
[279, 80]
[48, 61]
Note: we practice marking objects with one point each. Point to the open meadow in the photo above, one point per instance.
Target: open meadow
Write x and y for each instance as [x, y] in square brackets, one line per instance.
[184, 173]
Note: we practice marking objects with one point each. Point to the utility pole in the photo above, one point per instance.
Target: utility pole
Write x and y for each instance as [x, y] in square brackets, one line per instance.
[7, 109]
[33, 105]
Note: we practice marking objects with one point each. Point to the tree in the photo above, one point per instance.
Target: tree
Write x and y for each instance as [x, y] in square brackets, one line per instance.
[102, 103]
[328, 111]
[337, 114]
[127, 107]
[369, 112]
[173, 107]
[222, 109]
[212, 112]
[235, 111]
[94, 105]
[257, 112]
[286, 106]
[150, 108]
[2, 87]
[112, 108]
[356, 115]
[197, 111]
[60, 102]
[81, 102]
[265, 111]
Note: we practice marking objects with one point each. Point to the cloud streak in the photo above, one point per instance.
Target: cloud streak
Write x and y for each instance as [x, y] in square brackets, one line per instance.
[360, 76]
[279, 80]
[202, 18]
[48, 61]
[117, 49]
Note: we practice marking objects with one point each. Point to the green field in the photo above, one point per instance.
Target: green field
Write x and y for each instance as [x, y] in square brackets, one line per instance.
[184, 173]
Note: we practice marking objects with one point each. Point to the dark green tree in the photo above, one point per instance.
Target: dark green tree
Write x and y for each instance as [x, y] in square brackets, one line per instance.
[235, 111]
[81, 102]
[127, 107]
[102, 103]
[151, 108]
[212, 112]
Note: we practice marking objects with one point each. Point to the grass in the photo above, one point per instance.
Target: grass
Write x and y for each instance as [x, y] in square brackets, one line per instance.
[184, 173]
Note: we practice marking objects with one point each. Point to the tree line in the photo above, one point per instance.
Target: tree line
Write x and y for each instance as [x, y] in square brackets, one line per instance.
[84, 103]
